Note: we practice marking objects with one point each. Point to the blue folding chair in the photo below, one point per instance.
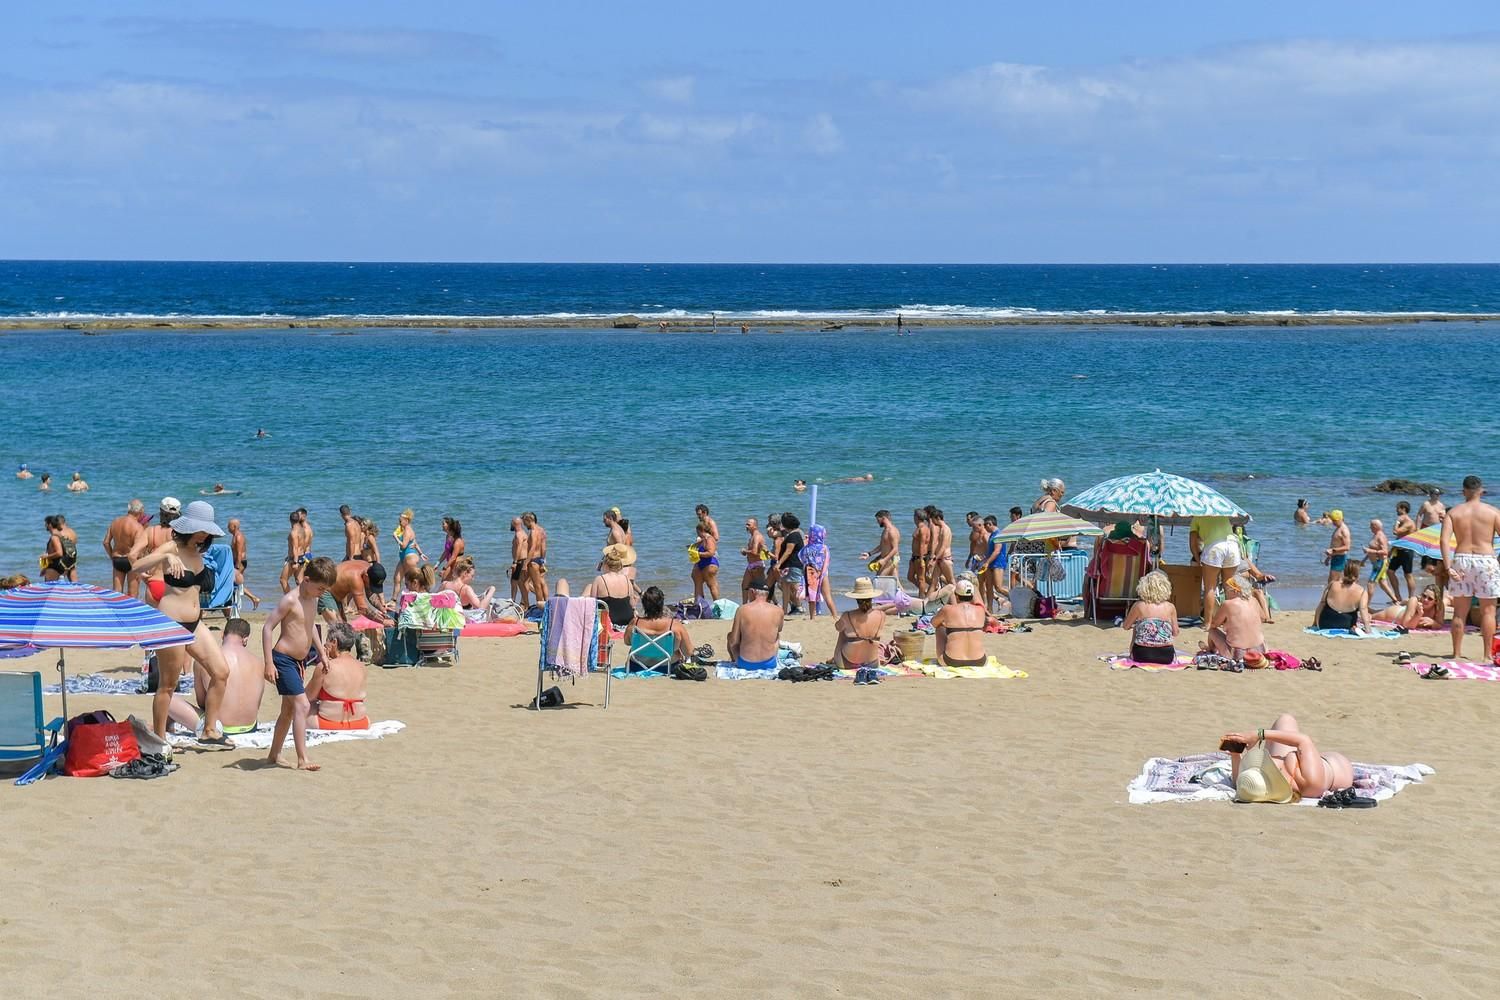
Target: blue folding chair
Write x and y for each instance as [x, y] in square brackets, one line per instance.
[23, 734]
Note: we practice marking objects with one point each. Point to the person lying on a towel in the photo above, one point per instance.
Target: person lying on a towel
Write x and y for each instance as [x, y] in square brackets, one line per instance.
[242, 691]
[1300, 767]
[336, 687]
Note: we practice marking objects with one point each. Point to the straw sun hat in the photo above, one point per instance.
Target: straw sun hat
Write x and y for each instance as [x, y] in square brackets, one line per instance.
[1260, 779]
[863, 590]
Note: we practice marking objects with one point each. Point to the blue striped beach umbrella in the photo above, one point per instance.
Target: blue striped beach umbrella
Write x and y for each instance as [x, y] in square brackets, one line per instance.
[65, 616]
[1168, 498]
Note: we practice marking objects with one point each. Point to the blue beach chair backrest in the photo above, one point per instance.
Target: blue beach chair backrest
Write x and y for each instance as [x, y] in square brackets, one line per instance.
[21, 726]
[652, 650]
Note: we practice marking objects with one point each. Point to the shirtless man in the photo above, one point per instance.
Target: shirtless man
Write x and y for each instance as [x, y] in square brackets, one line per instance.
[354, 533]
[713, 528]
[151, 538]
[921, 545]
[755, 558]
[1377, 555]
[755, 634]
[1337, 553]
[520, 547]
[536, 557]
[942, 549]
[1401, 559]
[239, 549]
[298, 549]
[887, 553]
[242, 691]
[1470, 561]
[287, 656]
[978, 540]
[363, 583]
[1432, 510]
[77, 485]
[121, 536]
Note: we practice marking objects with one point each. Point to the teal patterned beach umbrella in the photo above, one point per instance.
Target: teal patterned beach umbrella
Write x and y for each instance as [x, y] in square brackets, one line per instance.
[1168, 498]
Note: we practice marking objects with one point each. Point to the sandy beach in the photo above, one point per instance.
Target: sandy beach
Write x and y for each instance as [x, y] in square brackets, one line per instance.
[920, 838]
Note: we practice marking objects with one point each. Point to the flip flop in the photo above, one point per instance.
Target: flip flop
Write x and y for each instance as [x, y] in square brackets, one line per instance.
[1312, 663]
[1403, 657]
[220, 742]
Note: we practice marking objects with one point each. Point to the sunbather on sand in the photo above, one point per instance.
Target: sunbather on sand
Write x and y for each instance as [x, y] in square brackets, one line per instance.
[1236, 628]
[460, 580]
[1310, 771]
[958, 628]
[1344, 604]
[242, 691]
[653, 621]
[858, 644]
[1152, 620]
[1422, 611]
[336, 687]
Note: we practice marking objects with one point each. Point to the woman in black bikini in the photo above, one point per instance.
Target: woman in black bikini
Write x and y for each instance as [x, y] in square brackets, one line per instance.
[185, 575]
[858, 644]
[959, 629]
[61, 560]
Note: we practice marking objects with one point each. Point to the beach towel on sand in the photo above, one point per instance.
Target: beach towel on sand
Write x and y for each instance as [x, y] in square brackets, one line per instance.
[1197, 777]
[991, 668]
[1459, 671]
[260, 739]
[1343, 633]
[1119, 661]
[109, 684]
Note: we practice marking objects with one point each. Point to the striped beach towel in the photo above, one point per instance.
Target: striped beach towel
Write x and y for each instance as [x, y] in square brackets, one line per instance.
[1460, 671]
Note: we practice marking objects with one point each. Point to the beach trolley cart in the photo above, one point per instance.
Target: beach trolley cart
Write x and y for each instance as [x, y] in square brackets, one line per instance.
[576, 637]
[1059, 575]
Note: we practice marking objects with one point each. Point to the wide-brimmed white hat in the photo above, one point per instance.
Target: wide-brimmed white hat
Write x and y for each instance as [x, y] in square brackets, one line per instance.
[199, 517]
[1261, 780]
[863, 590]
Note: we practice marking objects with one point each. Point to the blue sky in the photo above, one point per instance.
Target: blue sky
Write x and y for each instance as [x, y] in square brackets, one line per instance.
[813, 131]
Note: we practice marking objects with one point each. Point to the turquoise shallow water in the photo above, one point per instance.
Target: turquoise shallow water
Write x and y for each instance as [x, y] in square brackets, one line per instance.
[482, 424]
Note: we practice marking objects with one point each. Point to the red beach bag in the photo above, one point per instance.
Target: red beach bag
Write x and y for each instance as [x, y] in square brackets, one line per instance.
[97, 744]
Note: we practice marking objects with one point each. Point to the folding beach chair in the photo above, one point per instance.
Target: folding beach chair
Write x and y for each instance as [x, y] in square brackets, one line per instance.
[652, 652]
[24, 737]
[437, 646]
[592, 651]
[1116, 568]
[225, 597]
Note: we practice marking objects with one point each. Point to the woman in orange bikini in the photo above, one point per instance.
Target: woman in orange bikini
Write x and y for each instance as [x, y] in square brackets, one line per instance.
[336, 687]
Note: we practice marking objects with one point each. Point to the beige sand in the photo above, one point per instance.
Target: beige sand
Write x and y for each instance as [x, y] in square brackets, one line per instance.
[920, 838]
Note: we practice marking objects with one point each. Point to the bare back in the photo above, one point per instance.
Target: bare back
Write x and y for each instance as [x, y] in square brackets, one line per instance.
[123, 533]
[1474, 525]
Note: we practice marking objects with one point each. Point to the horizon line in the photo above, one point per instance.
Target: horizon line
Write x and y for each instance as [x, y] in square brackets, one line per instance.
[759, 263]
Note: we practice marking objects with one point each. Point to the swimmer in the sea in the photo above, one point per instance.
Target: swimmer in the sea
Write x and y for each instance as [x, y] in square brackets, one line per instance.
[868, 477]
[800, 485]
[261, 433]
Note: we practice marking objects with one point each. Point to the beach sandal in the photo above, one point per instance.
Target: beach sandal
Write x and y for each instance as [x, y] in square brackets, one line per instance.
[704, 655]
[1234, 667]
[1437, 672]
[1347, 798]
[220, 742]
[1312, 663]
[1403, 657]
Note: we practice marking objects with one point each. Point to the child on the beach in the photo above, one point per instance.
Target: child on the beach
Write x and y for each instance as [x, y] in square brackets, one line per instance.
[289, 655]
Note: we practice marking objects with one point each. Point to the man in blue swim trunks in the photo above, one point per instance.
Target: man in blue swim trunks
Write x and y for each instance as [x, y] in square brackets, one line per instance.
[755, 634]
[287, 655]
[1337, 553]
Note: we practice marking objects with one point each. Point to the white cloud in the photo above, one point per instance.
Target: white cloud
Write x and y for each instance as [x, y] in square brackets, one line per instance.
[822, 135]
[673, 89]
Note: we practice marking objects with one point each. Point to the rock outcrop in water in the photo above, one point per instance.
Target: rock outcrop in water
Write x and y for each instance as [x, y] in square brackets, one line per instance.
[626, 322]
[1408, 486]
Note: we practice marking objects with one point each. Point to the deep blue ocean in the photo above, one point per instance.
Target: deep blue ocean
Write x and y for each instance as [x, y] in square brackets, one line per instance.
[122, 288]
[482, 424]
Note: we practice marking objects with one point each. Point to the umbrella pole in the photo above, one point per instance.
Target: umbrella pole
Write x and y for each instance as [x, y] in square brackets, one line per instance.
[62, 671]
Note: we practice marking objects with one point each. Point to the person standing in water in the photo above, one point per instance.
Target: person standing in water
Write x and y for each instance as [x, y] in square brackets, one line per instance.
[942, 549]
[706, 567]
[1401, 558]
[921, 549]
[885, 558]
[756, 554]
[536, 557]
[520, 549]
[239, 548]
[119, 538]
